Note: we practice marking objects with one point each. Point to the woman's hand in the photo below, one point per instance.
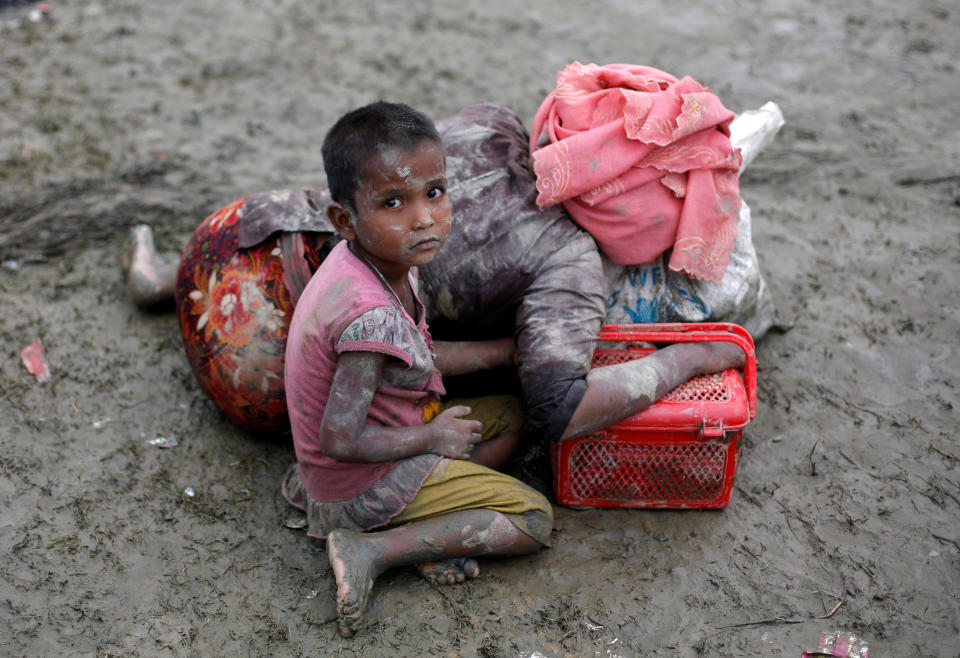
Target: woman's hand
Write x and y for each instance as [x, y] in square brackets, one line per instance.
[459, 358]
[454, 436]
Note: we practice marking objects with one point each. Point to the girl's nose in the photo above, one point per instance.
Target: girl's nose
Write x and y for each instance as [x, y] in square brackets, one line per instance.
[424, 219]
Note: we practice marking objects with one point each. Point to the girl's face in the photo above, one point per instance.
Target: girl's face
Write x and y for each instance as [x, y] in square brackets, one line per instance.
[403, 212]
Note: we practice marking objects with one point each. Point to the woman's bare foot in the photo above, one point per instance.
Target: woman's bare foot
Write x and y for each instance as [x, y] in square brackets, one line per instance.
[356, 563]
[449, 572]
[151, 276]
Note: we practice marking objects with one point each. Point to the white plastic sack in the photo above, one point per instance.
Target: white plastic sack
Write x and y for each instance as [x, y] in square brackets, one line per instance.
[652, 292]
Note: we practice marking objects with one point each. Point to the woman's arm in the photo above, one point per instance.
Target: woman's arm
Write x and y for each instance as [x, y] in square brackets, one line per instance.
[462, 357]
[344, 434]
[618, 391]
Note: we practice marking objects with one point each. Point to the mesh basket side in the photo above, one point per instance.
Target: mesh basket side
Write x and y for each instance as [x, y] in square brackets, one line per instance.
[630, 472]
[703, 388]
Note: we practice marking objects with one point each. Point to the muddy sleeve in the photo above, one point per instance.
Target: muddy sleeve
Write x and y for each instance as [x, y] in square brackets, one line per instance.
[509, 267]
[557, 324]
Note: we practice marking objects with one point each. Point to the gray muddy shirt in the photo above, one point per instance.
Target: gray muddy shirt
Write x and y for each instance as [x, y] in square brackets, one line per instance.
[509, 266]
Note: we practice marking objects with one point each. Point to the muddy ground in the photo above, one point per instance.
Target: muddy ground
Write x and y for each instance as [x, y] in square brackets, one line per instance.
[114, 112]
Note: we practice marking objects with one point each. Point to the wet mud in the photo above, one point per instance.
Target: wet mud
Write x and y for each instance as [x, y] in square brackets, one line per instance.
[844, 513]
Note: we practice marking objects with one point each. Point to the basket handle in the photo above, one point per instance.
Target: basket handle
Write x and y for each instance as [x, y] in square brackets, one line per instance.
[693, 332]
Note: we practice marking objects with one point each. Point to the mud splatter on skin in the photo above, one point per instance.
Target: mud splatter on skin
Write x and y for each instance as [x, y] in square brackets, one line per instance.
[432, 544]
[496, 537]
[359, 402]
[637, 379]
[386, 155]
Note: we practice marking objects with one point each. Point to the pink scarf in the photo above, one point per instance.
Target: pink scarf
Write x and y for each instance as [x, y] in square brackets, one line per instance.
[642, 161]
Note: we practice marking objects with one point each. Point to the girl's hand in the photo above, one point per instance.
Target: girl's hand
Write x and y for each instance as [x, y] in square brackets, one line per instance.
[453, 436]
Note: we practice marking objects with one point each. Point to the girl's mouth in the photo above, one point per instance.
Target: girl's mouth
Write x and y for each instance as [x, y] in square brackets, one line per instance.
[426, 244]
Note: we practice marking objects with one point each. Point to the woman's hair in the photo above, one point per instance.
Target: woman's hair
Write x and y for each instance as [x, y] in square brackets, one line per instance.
[360, 134]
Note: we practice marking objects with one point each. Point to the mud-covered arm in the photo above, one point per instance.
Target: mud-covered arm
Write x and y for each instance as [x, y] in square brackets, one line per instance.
[618, 391]
[459, 358]
[344, 434]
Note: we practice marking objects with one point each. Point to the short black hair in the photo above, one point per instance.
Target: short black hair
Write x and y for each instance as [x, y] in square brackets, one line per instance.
[358, 134]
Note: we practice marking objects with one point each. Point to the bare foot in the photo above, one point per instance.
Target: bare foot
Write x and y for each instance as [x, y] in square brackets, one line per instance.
[449, 572]
[151, 276]
[356, 564]
[141, 250]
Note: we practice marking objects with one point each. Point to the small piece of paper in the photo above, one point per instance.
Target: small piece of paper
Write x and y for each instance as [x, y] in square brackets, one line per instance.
[163, 442]
[36, 363]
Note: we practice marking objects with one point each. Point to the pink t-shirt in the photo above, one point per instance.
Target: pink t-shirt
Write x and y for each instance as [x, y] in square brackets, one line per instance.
[345, 307]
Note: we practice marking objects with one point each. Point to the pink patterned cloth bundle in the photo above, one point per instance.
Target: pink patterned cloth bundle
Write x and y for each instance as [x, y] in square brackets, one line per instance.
[643, 161]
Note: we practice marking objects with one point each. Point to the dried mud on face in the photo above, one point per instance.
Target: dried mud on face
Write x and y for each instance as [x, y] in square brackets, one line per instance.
[114, 112]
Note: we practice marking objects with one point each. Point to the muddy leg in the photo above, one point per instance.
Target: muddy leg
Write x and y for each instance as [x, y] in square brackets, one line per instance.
[151, 276]
[618, 391]
[493, 454]
[358, 559]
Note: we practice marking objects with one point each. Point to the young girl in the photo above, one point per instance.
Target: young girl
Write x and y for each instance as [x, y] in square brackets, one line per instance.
[375, 449]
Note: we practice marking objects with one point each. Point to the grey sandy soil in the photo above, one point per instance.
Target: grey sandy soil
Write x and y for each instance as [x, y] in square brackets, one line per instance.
[114, 112]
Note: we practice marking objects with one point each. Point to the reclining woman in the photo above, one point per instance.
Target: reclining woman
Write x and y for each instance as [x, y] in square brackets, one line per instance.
[509, 268]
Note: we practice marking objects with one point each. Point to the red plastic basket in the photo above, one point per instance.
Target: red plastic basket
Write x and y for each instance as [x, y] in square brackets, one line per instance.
[682, 451]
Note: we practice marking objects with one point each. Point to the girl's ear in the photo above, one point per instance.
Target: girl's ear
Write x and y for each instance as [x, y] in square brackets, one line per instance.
[342, 219]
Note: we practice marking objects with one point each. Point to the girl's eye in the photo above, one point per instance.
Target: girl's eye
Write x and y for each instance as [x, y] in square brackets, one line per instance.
[392, 203]
[435, 192]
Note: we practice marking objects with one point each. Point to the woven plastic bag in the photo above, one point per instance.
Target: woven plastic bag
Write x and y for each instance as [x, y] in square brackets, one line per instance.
[651, 292]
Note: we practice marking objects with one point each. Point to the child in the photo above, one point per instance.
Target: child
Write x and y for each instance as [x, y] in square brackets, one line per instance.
[362, 376]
